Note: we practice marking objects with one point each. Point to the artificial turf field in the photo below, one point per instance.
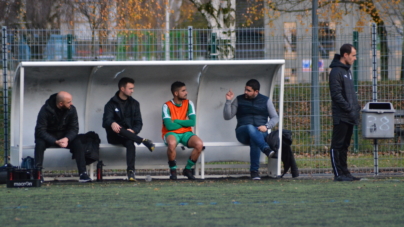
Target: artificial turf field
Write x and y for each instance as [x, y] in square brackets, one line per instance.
[212, 202]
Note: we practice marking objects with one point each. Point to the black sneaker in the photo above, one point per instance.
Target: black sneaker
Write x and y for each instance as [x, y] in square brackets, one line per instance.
[255, 175]
[84, 178]
[295, 173]
[268, 152]
[149, 144]
[352, 177]
[173, 174]
[342, 178]
[188, 173]
[131, 175]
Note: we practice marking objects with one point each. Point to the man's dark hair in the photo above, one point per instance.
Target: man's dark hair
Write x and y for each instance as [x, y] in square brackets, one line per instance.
[176, 85]
[125, 80]
[254, 84]
[346, 48]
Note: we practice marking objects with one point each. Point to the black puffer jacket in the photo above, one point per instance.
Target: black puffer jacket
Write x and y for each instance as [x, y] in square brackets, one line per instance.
[345, 106]
[113, 112]
[51, 126]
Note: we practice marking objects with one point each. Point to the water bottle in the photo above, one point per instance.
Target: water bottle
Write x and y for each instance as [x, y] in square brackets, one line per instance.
[148, 178]
[99, 170]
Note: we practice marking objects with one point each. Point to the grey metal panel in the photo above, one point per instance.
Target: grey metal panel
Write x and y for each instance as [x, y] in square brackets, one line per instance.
[40, 83]
[92, 84]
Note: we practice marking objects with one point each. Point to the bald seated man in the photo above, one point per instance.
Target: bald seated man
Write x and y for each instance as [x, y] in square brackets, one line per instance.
[56, 126]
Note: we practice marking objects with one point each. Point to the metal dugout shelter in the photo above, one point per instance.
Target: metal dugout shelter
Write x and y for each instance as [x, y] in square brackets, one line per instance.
[92, 84]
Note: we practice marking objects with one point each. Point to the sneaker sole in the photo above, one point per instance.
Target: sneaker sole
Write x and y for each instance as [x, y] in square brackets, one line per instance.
[256, 178]
[190, 178]
[271, 154]
[85, 181]
[343, 180]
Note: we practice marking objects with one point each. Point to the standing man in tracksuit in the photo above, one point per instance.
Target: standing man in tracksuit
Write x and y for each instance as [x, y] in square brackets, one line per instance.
[122, 122]
[345, 110]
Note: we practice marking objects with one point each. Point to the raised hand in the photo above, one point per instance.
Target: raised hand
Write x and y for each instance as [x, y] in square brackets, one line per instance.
[229, 95]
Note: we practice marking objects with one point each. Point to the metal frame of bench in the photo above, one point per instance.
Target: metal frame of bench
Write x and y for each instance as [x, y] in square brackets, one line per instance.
[201, 158]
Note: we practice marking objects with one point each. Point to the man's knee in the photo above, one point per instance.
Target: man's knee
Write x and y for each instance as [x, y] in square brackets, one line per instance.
[40, 145]
[171, 145]
[171, 142]
[251, 129]
[128, 144]
[196, 143]
[247, 130]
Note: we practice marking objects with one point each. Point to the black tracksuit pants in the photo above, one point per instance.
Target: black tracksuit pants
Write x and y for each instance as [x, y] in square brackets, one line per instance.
[41, 145]
[341, 139]
[127, 139]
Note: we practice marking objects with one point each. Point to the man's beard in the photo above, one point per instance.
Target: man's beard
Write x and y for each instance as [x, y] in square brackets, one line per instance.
[248, 97]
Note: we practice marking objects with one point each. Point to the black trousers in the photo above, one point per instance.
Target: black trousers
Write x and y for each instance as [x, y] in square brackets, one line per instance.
[41, 145]
[128, 140]
[341, 139]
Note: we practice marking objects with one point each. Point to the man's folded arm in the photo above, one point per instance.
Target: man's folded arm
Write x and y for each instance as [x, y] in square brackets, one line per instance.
[187, 123]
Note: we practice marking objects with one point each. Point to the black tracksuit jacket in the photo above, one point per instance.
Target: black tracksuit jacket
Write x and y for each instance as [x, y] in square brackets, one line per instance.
[51, 126]
[114, 112]
[345, 106]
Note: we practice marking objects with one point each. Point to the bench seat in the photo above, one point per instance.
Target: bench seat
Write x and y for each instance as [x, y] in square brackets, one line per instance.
[104, 148]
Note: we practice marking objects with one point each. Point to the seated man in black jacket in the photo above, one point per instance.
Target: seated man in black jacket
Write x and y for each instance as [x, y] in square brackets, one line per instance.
[57, 125]
[122, 121]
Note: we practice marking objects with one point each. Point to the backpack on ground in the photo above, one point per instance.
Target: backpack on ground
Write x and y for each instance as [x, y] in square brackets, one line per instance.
[28, 163]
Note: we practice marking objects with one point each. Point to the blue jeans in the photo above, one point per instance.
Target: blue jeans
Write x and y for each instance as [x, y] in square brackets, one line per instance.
[249, 134]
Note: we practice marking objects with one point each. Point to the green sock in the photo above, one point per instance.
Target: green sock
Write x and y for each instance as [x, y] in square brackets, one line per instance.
[173, 167]
[190, 163]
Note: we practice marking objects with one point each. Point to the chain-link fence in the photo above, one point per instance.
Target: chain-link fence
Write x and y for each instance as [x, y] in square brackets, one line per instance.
[291, 43]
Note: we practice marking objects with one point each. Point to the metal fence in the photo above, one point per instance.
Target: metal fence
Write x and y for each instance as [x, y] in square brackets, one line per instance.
[292, 44]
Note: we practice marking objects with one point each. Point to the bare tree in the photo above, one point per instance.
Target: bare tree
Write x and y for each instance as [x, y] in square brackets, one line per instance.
[32, 14]
[97, 13]
[336, 9]
[221, 18]
[9, 13]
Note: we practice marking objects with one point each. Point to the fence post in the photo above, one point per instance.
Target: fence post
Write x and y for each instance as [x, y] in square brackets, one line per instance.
[69, 47]
[5, 93]
[374, 96]
[213, 53]
[315, 89]
[190, 44]
[355, 76]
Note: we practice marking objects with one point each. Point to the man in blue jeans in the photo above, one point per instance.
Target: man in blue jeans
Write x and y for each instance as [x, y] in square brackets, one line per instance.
[252, 111]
